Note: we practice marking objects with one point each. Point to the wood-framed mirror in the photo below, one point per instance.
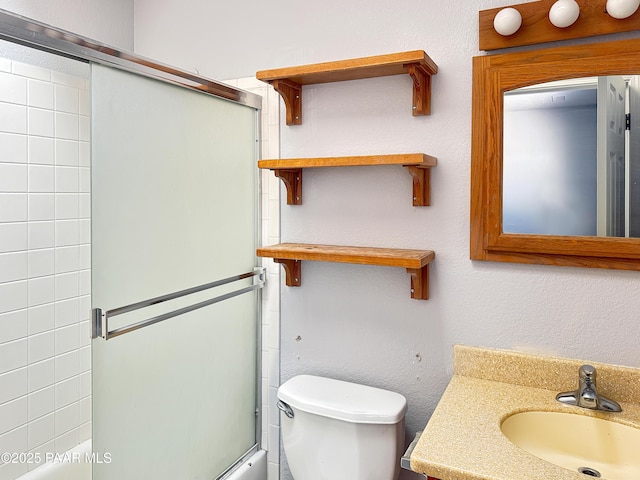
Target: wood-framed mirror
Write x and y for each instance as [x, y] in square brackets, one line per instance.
[492, 240]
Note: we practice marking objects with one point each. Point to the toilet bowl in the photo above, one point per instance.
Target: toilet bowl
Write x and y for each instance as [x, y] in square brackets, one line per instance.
[336, 430]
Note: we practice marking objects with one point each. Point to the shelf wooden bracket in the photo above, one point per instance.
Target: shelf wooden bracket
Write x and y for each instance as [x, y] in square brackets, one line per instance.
[291, 255]
[291, 93]
[418, 165]
[421, 88]
[421, 185]
[292, 179]
[419, 277]
[419, 282]
[288, 81]
[292, 271]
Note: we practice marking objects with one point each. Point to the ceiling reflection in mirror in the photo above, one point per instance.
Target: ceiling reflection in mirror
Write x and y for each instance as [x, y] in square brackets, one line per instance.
[571, 158]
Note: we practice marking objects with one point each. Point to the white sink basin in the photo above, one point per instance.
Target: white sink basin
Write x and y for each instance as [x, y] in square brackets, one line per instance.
[578, 443]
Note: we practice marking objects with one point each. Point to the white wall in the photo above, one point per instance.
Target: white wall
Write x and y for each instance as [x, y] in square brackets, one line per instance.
[355, 322]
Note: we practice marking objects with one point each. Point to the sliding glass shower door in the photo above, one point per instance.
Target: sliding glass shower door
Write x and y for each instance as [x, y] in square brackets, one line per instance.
[174, 206]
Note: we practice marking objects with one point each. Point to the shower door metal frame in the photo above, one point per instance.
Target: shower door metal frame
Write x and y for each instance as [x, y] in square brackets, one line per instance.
[25, 31]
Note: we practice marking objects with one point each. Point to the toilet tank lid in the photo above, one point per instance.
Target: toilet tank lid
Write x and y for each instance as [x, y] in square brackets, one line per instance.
[349, 402]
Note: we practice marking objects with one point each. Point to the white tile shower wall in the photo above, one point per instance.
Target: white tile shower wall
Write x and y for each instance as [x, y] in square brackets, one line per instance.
[45, 247]
[270, 215]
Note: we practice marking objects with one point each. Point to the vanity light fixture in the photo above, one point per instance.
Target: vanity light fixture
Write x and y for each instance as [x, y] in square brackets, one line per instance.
[622, 8]
[564, 13]
[508, 21]
[546, 21]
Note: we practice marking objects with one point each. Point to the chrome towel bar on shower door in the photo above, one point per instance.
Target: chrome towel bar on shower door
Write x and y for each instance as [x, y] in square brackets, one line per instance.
[100, 318]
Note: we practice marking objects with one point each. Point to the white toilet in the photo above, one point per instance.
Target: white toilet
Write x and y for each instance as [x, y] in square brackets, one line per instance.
[335, 430]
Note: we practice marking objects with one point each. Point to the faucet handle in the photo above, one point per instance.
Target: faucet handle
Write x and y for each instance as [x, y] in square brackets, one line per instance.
[587, 372]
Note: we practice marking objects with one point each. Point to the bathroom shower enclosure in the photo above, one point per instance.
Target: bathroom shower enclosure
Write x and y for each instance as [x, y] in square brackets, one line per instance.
[175, 290]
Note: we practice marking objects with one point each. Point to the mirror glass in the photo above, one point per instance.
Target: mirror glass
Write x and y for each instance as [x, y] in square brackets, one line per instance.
[571, 158]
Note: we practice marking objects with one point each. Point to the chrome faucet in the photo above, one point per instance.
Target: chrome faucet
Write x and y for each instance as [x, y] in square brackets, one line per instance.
[587, 395]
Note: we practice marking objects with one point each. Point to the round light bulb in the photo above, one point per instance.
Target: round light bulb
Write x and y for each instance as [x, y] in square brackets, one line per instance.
[564, 13]
[507, 21]
[622, 8]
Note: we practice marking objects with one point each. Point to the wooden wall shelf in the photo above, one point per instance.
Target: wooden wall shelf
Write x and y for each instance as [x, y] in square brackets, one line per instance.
[288, 81]
[418, 165]
[290, 255]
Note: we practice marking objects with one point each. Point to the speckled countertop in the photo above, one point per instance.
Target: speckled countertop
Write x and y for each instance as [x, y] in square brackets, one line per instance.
[463, 440]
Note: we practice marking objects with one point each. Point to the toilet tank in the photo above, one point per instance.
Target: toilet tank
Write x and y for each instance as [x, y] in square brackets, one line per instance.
[336, 430]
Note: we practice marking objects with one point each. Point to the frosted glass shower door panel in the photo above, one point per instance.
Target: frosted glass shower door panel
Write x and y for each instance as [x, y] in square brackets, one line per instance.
[174, 205]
